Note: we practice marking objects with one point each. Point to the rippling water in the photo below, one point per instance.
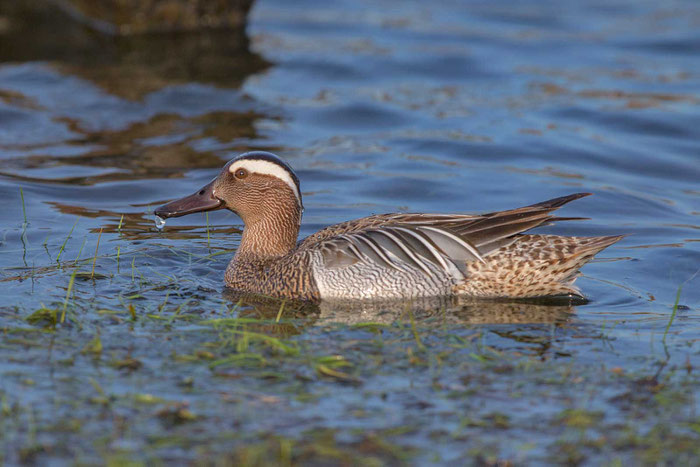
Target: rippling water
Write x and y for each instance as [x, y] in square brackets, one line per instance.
[380, 107]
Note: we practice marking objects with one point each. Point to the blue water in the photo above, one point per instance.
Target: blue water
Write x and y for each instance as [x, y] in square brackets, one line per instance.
[380, 107]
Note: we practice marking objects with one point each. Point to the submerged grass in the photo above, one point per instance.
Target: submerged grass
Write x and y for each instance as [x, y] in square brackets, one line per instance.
[46, 315]
[244, 369]
[168, 368]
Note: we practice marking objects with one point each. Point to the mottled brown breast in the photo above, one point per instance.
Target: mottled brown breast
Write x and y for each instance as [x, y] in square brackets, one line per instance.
[286, 277]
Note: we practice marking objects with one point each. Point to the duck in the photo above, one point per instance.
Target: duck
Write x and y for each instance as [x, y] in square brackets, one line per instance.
[385, 256]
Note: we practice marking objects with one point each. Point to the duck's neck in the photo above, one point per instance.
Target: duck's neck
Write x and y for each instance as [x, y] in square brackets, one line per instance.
[269, 233]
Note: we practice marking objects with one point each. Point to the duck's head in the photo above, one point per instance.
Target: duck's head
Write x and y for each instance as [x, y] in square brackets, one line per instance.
[251, 185]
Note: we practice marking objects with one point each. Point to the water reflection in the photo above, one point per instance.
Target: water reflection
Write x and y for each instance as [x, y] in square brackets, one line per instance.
[125, 66]
[139, 225]
[82, 107]
[444, 310]
[160, 147]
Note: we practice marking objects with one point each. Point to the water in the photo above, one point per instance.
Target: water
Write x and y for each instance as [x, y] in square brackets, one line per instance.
[446, 107]
[159, 222]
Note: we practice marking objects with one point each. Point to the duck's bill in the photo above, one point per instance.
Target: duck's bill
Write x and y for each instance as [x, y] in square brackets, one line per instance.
[202, 200]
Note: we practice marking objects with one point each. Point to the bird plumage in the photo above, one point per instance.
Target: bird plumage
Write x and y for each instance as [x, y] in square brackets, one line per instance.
[387, 255]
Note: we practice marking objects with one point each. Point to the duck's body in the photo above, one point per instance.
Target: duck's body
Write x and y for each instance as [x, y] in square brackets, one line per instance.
[386, 255]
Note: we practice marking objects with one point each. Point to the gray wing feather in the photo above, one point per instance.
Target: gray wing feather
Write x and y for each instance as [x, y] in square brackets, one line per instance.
[427, 242]
[396, 245]
[454, 246]
[435, 255]
[401, 248]
[374, 250]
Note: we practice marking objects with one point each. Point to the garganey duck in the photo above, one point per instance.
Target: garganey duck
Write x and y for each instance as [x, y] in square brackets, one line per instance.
[385, 255]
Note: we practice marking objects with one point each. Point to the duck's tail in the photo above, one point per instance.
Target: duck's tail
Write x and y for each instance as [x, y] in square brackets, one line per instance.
[533, 266]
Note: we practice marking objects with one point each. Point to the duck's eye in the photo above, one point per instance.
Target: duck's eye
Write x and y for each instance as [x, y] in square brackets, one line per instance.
[241, 173]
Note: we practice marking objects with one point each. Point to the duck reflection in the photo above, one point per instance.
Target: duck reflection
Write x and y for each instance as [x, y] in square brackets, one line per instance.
[447, 310]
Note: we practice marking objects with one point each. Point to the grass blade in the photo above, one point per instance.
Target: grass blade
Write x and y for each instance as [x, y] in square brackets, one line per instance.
[24, 209]
[94, 259]
[279, 313]
[63, 247]
[673, 313]
[65, 302]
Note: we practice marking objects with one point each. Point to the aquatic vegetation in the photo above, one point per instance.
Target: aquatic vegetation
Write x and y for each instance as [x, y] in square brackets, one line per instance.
[118, 345]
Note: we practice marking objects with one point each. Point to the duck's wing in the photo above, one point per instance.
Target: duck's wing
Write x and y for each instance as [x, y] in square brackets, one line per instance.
[493, 230]
[401, 247]
[423, 241]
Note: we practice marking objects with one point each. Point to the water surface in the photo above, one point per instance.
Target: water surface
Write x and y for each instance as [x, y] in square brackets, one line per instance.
[117, 341]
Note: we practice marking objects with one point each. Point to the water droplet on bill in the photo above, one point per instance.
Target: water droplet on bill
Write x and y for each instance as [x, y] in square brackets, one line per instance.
[160, 222]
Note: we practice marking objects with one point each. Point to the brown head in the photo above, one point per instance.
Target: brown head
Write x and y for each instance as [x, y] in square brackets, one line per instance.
[263, 191]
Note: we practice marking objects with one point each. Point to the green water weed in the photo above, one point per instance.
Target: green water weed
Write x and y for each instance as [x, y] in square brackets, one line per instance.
[77, 258]
[24, 209]
[94, 259]
[673, 313]
[68, 292]
[65, 241]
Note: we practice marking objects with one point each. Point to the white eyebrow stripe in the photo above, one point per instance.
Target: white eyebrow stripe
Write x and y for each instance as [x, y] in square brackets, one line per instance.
[267, 168]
